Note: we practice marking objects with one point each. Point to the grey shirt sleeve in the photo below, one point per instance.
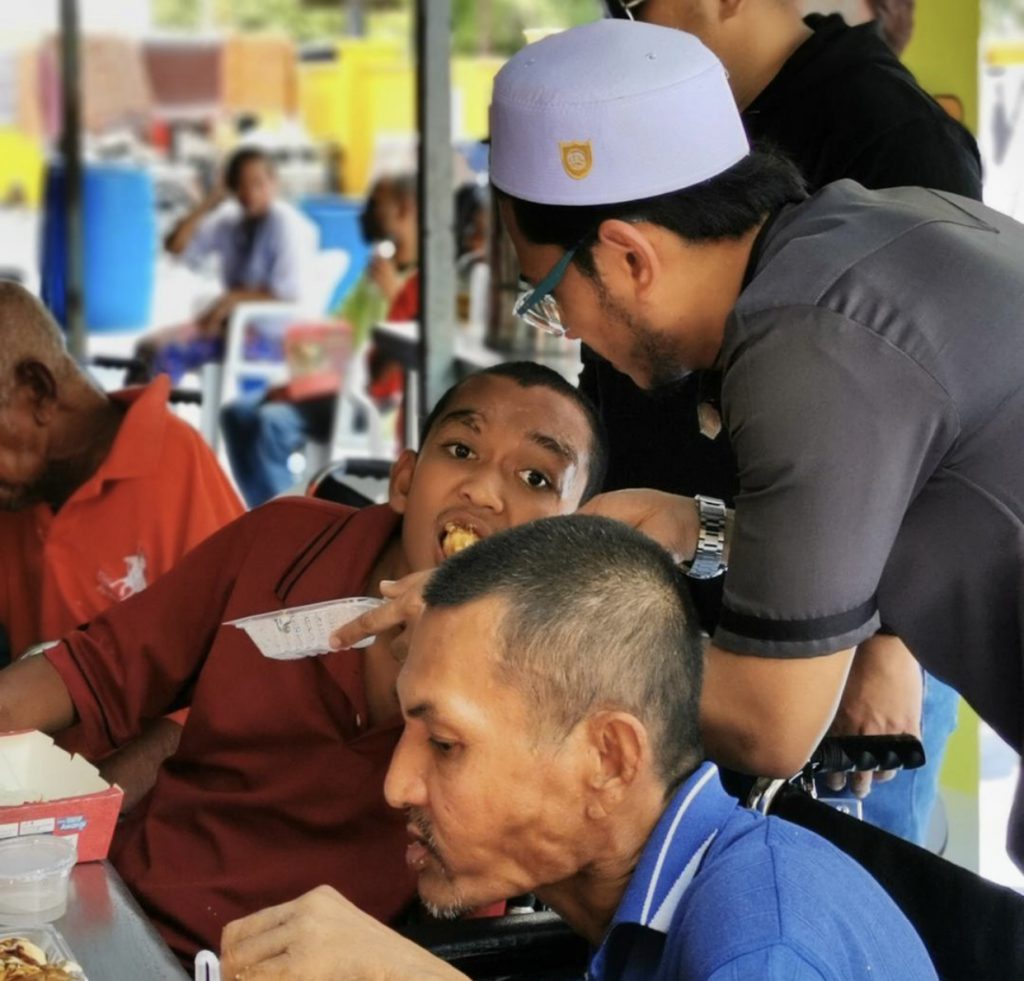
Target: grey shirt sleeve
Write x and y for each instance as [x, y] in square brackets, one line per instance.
[835, 430]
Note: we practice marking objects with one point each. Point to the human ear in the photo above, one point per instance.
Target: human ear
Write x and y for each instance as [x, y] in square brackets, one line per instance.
[38, 382]
[621, 753]
[400, 481]
[629, 252]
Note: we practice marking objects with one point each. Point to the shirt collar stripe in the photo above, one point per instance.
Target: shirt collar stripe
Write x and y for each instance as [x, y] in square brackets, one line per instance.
[711, 773]
[662, 919]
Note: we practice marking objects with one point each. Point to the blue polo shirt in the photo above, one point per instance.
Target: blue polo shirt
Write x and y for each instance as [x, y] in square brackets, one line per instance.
[722, 893]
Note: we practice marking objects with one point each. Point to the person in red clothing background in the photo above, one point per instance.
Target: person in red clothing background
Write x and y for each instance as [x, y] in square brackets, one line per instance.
[277, 784]
[99, 495]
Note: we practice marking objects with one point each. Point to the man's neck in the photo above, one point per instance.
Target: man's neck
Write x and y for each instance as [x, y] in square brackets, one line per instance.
[391, 563]
[406, 252]
[588, 900]
[769, 39]
[87, 425]
[720, 267]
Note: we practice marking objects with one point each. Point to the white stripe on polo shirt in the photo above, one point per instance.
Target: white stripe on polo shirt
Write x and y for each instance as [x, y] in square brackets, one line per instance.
[712, 772]
[662, 919]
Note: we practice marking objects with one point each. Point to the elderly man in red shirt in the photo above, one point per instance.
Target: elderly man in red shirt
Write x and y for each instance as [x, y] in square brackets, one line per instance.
[100, 494]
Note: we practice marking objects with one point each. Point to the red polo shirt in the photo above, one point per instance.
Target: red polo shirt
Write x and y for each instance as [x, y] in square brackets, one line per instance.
[278, 783]
[159, 492]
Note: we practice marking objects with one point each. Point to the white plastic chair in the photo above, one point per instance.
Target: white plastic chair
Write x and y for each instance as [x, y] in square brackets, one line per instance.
[222, 382]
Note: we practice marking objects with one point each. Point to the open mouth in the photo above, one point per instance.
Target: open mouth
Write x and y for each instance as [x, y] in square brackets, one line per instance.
[420, 848]
[455, 537]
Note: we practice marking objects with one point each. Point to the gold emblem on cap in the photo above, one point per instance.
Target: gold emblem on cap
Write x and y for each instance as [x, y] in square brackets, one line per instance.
[577, 158]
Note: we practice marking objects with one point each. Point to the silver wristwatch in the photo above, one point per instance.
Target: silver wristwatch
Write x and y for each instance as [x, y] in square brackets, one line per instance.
[709, 559]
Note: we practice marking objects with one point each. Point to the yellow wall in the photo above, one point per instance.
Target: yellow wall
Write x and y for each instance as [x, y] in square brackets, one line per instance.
[943, 52]
[21, 166]
[369, 92]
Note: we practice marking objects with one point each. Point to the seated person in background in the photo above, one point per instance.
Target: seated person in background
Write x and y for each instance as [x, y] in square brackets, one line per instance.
[552, 745]
[99, 495]
[277, 783]
[261, 435]
[262, 243]
[472, 231]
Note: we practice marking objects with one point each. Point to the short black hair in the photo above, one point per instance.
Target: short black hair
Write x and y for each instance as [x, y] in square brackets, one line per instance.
[596, 616]
[529, 374]
[237, 161]
[726, 206]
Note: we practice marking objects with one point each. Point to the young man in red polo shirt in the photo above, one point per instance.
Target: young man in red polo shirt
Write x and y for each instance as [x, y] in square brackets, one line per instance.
[277, 784]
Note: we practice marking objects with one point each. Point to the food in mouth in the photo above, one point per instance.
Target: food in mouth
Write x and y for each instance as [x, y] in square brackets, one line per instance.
[22, 960]
[456, 537]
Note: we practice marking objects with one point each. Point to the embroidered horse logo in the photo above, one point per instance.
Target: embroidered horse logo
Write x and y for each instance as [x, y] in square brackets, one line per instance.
[132, 582]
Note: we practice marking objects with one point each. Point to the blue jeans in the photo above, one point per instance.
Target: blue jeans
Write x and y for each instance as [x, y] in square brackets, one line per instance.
[259, 438]
[903, 806]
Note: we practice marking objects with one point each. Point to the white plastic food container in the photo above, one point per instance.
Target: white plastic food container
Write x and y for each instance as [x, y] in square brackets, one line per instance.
[51, 943]
[34, 874]
[304, 631]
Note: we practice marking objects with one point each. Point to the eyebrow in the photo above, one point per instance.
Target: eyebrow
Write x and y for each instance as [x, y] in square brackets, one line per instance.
[471, 418]
[555, 446]
[467, 417]
[421, 710]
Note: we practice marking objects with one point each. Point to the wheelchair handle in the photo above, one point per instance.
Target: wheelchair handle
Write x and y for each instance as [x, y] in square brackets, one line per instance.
[843, 754]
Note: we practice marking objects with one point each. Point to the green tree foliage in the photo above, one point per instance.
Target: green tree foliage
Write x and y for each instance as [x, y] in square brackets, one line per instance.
[479, 26]
[1002, 16]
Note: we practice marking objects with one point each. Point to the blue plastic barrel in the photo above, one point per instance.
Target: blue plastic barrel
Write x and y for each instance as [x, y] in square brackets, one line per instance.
[337, 218]
[119, 242]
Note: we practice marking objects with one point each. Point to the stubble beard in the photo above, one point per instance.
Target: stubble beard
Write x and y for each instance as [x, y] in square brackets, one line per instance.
[656, 355]
[456, 905]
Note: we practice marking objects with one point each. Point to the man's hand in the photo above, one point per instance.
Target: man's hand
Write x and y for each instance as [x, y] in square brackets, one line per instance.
[322, 937]
[669, 519]
[883, 697]
[406, 596]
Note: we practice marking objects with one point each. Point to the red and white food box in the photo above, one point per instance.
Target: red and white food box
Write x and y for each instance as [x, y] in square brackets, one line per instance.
[46, 790]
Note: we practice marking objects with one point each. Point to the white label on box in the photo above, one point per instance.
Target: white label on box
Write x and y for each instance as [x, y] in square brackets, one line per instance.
[44, 826]
[9, 830]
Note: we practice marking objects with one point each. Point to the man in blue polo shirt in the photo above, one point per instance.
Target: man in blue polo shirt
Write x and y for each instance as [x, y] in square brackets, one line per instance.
[552, 745]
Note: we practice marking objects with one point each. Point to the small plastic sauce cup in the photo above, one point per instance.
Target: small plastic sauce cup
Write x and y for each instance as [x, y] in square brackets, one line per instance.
[34, 874]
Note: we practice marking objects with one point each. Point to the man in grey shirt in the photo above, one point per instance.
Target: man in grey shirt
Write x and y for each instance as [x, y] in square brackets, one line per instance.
[872, 356]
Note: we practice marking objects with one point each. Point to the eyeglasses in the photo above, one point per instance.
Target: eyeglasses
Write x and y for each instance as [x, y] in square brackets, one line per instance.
[535, 304]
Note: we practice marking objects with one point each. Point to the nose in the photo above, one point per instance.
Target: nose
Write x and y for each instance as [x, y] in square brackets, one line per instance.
[483, 488]
[403, 785]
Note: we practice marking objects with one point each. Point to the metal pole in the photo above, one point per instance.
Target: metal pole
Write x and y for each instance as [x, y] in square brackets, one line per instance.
[436, 200]
[74, 322]
[356, 20]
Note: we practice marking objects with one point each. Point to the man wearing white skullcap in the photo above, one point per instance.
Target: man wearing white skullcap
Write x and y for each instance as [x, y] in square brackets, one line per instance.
[872, 359]
[839, 104]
